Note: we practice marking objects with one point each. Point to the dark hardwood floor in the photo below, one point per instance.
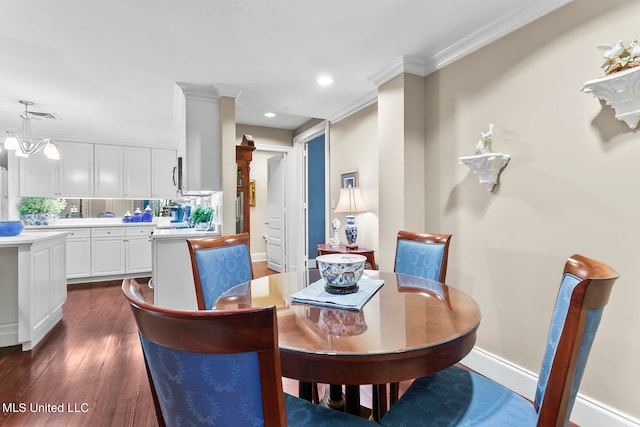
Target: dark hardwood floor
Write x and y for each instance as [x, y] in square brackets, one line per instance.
[89, 370]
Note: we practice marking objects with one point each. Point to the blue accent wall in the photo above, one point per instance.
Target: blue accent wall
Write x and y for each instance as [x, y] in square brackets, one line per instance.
[316, 192]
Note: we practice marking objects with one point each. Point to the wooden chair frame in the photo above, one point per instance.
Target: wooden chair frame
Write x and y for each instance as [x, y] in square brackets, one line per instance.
[591, 283]
[221, 331]
[592, 292]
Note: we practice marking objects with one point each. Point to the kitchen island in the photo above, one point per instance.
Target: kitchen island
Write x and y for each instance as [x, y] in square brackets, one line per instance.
[172, 276]
[33, 286]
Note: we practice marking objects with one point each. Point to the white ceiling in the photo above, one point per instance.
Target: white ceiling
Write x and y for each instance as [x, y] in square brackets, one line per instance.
[108, 69]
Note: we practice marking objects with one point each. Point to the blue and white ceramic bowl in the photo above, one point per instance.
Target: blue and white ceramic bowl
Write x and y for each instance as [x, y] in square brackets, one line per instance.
[341, 269]
[39, 218]
[11, 228]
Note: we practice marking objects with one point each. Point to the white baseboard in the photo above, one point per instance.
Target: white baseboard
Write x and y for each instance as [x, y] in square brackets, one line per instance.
[586, 411]
[9, 334]
[260, 256]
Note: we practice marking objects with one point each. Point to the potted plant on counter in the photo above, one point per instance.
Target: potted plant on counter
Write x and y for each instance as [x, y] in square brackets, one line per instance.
[40, 210]
[201, 217]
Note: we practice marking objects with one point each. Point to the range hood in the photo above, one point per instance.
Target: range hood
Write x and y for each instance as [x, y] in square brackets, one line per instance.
[197, 126]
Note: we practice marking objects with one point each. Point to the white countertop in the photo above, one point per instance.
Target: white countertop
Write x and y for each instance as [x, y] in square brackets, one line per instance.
[182, 233]
[29, 238]
[162, 227]
[91, 222]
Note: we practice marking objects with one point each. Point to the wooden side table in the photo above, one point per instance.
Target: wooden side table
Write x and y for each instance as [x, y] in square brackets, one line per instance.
[370, 264]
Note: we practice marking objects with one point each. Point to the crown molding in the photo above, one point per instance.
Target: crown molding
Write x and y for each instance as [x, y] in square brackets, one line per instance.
[113, 141]
[491, 32]
[364, 101]
[421, 67]
[403, 64]
[478, 39]
[199, 92]
[229, 91]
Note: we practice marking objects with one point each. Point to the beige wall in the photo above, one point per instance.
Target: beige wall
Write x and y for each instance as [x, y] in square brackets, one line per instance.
[261, 136]
[353, 146]
[570, 187]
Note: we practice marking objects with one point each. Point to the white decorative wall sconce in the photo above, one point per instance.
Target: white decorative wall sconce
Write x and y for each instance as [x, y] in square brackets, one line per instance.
[620, 86]
[620, 90]
[486, 164]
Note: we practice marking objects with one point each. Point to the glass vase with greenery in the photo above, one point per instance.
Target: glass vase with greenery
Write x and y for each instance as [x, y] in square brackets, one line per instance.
[40, 210]
[201, 217]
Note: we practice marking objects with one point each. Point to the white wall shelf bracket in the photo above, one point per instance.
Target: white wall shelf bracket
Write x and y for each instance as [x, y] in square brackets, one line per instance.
[620, 90]
[487, 166]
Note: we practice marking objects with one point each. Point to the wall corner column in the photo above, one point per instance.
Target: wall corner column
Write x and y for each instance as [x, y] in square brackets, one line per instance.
[401, 132]
[228, 164]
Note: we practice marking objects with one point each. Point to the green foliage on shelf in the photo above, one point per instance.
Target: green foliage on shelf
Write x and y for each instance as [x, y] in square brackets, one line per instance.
[50, 205]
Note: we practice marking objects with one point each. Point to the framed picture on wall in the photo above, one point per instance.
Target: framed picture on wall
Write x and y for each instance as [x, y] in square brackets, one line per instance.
[349, 179]
[252, 192]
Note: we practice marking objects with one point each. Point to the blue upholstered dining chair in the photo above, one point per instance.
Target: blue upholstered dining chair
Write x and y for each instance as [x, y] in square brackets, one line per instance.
[220, 368]
[423, 255]
[458, 397]
[219, 264]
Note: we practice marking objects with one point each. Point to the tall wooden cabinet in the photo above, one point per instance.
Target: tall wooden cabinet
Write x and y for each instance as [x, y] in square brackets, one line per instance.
[244, 154]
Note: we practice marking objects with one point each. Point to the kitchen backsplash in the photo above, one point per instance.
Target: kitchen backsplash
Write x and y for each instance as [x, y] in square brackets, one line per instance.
[96, 208]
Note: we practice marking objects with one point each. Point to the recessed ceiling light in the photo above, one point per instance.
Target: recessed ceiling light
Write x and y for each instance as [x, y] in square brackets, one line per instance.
[325, 81]
[269, 115]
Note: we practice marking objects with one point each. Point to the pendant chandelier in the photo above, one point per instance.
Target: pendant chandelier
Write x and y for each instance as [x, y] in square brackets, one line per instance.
[23, 144]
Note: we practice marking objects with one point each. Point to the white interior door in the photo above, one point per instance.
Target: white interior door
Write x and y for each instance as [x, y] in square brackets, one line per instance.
[275, 212]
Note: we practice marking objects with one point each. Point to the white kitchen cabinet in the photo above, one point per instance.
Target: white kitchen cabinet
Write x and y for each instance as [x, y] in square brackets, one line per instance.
[109, 170]
[138, 249]
[122, 171]
[164, 173]
[108, 251]
[96, 252]
[78, 257]
[101, 171]
[38, 177]
[75, 170]
[137, 172]
[70, 176]
[78, 252]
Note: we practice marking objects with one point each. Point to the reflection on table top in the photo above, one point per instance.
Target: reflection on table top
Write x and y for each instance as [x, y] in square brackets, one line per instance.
[408, 314]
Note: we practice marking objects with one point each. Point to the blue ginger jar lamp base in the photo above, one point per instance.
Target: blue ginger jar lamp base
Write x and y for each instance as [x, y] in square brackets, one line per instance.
[351, 231]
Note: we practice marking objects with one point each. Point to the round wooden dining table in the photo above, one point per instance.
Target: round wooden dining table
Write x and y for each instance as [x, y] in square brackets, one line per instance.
[411, 327]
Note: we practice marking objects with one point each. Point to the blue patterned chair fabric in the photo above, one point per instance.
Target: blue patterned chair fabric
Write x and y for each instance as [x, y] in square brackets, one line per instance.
[422, 255]
[220, 368]
[222, 268]
[457, 397]
[218, 265]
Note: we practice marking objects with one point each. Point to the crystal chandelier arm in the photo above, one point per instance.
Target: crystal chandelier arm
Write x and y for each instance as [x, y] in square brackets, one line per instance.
[24, 142]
